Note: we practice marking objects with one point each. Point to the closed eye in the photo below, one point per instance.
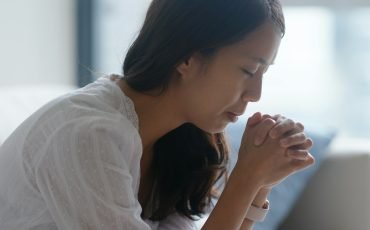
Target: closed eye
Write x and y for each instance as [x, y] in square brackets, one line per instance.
[248, 72]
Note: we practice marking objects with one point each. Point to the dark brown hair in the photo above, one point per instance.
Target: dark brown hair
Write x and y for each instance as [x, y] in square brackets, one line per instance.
[188, 161]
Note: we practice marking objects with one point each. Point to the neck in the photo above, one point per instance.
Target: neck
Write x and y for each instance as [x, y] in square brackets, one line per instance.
[157, 114]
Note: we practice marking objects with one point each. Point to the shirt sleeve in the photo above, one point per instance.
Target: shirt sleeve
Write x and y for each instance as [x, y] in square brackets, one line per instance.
[85, 179]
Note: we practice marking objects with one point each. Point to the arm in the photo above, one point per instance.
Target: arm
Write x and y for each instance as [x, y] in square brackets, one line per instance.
[85, 180]
[234, 201]
[258, 201]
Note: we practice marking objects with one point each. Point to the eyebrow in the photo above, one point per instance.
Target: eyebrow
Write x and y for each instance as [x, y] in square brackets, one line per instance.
[262, 60]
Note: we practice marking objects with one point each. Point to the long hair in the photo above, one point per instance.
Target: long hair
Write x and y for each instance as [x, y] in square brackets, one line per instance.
[188, 161]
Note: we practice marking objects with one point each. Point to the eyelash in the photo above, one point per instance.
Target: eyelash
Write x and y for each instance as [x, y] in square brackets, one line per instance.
[248, 72]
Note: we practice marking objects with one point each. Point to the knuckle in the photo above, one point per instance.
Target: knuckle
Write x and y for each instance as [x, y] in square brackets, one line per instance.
[279, 117]
[279, 128]
[300, 126]
[290, 122]
[302, 136]
[290, 139]
[269, 122]
[293, 139]
[265, 116]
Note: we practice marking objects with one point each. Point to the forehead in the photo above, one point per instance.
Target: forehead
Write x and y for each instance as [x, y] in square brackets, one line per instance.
[261, 44]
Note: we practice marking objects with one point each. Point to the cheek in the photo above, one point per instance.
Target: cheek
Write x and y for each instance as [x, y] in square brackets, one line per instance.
[219, 89]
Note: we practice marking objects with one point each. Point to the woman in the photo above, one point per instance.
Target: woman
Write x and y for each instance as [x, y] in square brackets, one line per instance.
[144, 151]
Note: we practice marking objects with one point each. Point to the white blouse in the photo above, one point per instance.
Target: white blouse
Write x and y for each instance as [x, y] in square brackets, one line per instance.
[75, 164]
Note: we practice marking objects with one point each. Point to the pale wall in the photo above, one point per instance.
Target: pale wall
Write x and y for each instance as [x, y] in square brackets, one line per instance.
[37, 42]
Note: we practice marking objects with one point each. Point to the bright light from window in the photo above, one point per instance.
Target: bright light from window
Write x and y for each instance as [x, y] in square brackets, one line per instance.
[320, 71]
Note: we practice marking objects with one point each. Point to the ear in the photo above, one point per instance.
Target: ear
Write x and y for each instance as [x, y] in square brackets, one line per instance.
[189, 65]
[184, 67]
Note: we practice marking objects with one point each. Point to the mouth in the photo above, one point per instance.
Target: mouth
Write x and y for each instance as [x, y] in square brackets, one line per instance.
[236, 114]
[233, 116]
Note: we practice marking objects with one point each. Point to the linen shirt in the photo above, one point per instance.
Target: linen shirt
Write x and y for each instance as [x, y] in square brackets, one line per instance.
[75, 164]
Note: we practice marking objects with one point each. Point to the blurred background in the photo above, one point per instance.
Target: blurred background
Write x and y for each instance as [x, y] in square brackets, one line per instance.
[321, 77]
[322, 71]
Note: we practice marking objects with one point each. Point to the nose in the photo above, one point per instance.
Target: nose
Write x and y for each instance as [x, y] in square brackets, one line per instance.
[253, 90]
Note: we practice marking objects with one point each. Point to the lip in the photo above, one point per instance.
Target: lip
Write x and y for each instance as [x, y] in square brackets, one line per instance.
[232, 116]
[236, 114]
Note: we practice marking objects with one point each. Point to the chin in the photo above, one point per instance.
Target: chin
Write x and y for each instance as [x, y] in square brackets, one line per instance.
[212, 125]
[213, 128]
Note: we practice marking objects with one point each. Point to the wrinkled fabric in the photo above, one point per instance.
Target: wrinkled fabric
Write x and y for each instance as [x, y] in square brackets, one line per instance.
[75, 164]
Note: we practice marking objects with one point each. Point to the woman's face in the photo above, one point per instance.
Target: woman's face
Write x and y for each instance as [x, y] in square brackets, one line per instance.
[216, 92]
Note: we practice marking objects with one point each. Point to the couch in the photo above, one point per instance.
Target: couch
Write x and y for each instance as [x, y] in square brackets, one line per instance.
[332, 195]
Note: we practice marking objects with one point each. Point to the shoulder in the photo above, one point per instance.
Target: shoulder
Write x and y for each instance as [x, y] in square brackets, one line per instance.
[96, 129]
[94, 138]
[108, 126]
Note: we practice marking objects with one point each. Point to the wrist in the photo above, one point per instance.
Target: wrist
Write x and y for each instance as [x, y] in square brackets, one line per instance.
[247, 175]
[258, 214]
[261, 197]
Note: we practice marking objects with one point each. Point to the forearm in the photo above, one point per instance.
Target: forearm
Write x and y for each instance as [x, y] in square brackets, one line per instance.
[258, 201]
[233, 204]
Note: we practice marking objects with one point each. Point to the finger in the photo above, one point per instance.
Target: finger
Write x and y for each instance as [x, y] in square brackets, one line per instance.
[254, 119]
[297, 154]
[306, 145]
[282, 128]
[295, 139]
[297, 129]
[301, 164]
[299, 126]
[267, 116]
[263, 131]
[278, 118]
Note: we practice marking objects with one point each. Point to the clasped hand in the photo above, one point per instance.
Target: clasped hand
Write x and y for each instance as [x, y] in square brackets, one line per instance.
[273, 147]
